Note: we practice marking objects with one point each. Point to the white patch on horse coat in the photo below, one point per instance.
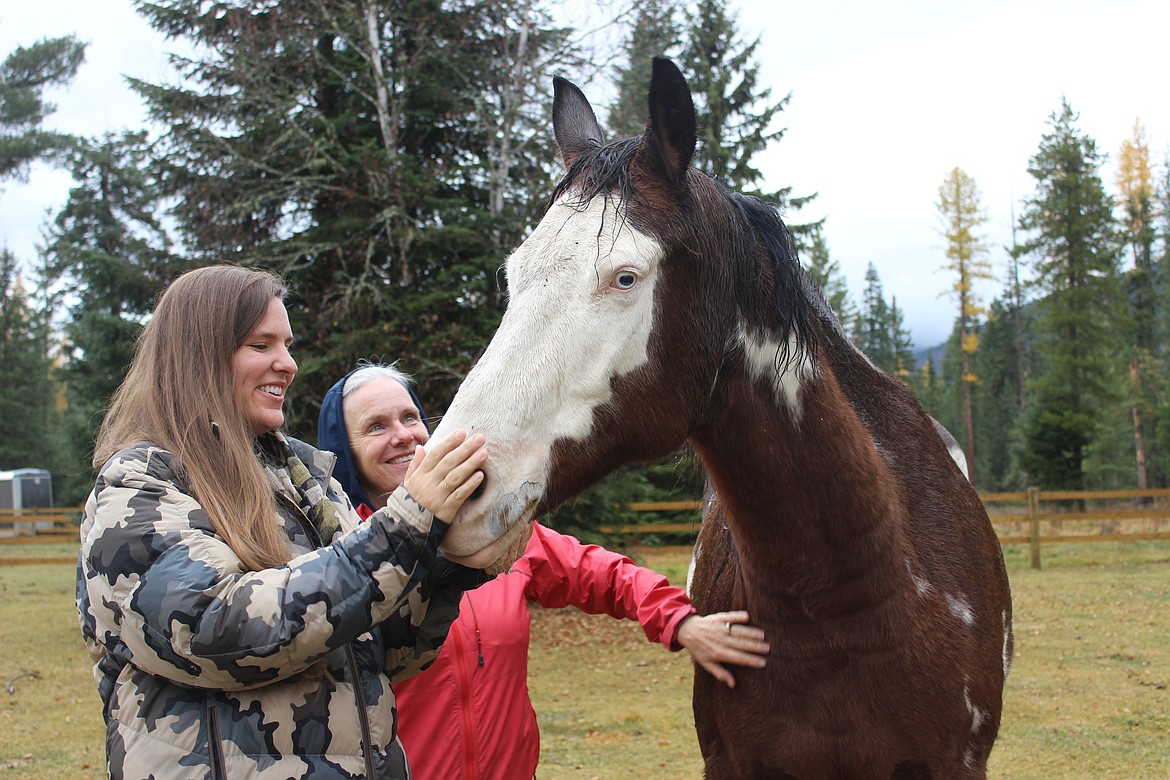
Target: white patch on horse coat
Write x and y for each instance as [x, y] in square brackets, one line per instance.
[764, 362]
[954, 449]
[960, 459]
[923, 587]
[1007, 651]
[691, 568]
[977, 715]
[960, 608]
[568, 331]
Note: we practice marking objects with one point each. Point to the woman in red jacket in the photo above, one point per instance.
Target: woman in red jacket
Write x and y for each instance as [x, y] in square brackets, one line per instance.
[479, 683]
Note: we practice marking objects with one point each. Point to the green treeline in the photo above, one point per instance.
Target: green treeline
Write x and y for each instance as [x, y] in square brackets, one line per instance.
[385, 159]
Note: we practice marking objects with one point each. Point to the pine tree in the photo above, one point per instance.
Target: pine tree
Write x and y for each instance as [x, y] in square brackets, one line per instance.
[736, 114]
[926, 384]
[24, 76]
[27, 400]
[1074, 252]
[653, 32]
[813, 250]
[383, 158]
[30, 430]
[900, 343]
[108, 257]
[997, 401]
[1161, 271]
[962, 215]
[873, 334]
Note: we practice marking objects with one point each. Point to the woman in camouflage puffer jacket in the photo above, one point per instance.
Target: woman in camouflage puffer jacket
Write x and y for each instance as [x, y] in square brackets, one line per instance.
[243, 622]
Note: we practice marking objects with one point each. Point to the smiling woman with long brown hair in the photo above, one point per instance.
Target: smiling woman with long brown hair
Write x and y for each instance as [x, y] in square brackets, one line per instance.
[243, 622]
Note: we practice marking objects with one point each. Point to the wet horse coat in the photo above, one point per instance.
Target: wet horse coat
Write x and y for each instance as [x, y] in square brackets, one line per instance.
[651, 307]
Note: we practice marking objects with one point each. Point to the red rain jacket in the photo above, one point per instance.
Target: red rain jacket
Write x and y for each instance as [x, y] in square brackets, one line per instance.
[469, 715]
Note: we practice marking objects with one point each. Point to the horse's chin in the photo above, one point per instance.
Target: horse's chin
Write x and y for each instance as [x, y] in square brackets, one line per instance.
[498, 556]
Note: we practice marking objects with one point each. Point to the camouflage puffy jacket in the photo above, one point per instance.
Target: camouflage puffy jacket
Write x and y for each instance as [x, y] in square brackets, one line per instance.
[209, 671]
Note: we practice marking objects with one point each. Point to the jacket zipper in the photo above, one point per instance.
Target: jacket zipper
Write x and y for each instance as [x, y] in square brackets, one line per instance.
[359, 698]
[465, 697]
[215, 744]
[302, 519]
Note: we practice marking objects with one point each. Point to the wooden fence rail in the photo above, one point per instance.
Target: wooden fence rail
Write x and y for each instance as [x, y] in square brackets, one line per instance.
[1031, 517]
[1018, 518]
[21, 526]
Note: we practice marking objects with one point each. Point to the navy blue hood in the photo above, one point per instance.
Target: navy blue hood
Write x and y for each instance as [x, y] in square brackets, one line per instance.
[332, 436]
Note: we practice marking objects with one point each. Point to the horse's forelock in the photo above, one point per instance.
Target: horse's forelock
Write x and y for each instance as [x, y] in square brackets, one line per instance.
[603, 171]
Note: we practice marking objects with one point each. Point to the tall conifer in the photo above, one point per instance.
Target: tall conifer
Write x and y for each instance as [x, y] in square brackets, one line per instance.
[654, 32]
[1074, 252]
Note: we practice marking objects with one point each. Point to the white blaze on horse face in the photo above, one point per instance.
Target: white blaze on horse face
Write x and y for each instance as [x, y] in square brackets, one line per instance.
[764, 362]
[580, 312]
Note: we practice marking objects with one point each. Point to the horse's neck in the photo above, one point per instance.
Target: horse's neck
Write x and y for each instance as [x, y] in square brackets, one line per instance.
[811, 502]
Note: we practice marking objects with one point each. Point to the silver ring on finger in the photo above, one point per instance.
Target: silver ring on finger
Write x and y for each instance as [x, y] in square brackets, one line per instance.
[728, 624]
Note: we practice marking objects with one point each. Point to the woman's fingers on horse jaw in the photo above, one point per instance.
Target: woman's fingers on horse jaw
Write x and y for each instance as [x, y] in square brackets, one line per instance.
[460, 463]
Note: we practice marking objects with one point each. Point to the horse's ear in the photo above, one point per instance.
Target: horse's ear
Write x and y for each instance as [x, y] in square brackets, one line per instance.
[574, 123]
[670, 134]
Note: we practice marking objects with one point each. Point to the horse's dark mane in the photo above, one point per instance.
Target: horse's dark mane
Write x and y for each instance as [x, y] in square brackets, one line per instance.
[794, 294]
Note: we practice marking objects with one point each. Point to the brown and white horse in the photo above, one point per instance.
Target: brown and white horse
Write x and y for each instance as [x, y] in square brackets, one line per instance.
[651, 306]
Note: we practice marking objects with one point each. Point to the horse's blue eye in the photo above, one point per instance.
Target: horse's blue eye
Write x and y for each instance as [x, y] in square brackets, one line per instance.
[625, 280]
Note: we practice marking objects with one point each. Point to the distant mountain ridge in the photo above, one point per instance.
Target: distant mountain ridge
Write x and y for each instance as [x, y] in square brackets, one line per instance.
[935, 352]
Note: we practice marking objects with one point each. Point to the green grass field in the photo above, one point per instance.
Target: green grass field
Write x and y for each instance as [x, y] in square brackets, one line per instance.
[1088, 696]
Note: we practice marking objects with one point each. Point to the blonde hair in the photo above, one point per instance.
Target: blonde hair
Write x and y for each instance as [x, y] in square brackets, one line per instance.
[179, 395]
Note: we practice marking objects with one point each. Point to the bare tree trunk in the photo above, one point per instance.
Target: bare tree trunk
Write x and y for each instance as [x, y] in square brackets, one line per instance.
[964, 377]
[1138, 436]
[1017, 295]
[388, 126]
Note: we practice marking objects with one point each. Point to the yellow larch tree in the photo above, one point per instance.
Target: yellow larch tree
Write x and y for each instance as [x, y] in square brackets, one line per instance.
[961, 214]
[1134, 181]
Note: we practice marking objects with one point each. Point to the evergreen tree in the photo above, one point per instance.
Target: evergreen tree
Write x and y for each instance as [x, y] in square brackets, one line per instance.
[873, 335]
[880, 330]
[653, 32]
[107, 259]
[947, 409]
[736, 113]
[961, 213]
[996, 402]
[813, 249]
[24, 75]
[1161, 272]
[900, 343]
[1074, 254]
[926, 383]
[383, 158]
[27, 400]
[30, 431]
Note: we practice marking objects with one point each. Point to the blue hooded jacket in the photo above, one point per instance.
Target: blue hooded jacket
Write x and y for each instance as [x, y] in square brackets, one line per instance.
[332, 436]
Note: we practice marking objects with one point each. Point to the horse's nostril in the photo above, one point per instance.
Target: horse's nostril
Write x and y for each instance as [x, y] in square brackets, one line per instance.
[479, 489]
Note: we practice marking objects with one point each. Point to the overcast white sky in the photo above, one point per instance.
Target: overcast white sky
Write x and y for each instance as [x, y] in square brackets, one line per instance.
[887, 98]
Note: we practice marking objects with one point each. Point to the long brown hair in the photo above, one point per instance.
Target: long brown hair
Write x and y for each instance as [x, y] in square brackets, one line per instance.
[179, 395]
